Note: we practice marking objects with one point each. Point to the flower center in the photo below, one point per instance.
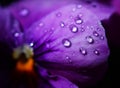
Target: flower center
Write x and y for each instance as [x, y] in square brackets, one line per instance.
[24, 57]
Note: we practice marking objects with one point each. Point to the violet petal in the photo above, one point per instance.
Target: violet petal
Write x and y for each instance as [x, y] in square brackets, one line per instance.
[47, 35]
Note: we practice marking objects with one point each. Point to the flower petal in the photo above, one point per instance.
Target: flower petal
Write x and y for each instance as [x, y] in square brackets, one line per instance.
[27, 12]
[70, 38]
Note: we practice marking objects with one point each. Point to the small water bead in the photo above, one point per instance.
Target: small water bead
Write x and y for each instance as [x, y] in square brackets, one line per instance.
[78, 20]
[82, 29]
[73, 28]
[96, 52]
[101, 37]
[48, 45]
[71, 17]
[62, 24]
[31, 44]
[80, 15]
[41, 24]
[67, 57]
[79, 6]
[95, 34]
[24, 12]
[16, 34]
[73, 9]
[59, 14]
[66, 43]
[83, 51]
[92, 27]
[90, 39]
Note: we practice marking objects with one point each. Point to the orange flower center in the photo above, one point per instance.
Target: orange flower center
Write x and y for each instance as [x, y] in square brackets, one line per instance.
[25, 67]
[23, 55]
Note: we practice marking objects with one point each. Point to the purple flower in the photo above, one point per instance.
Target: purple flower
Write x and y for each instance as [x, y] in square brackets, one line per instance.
[64, 47]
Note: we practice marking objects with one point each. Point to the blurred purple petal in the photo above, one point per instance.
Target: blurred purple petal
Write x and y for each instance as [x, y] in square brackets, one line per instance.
[61, 82]
[29, 12]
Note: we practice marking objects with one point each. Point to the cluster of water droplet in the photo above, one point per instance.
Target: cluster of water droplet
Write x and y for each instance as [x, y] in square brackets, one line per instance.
[74, 29]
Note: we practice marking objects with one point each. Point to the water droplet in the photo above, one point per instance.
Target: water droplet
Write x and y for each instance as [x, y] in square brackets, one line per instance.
[96, 52]
[90, 39]
[83, 51]
[78, 20]
[80, 15]
[92, 27]
[31, 44]
[24, 12]
[73, 9]
[48, 45]
[67, 57]
[102, 37]
[82, 28]
[59, 14]
[41, 24]
[16, 34]
[79, 6]
[66, 43]
[73, 28]
[95, 33]
[71, 17]
[62, 24]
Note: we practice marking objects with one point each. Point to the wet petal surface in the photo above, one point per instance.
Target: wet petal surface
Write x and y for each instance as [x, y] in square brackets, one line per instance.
[55, 45]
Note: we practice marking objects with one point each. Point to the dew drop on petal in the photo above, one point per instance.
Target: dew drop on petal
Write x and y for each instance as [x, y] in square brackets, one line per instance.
[73, 9]
[67, 57]
[90, 40]
[31, 44]
[102, 37]
[59, 14]
[82, 30]
[71, 17]
[83, 51]
[41, 24]
[24, 12]
[73, 28]
[66, 43]
[48, 45]
[16, 34]
[96, 52]
[79, 6]
[95, 34]
[62, 24]
[78, 20]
